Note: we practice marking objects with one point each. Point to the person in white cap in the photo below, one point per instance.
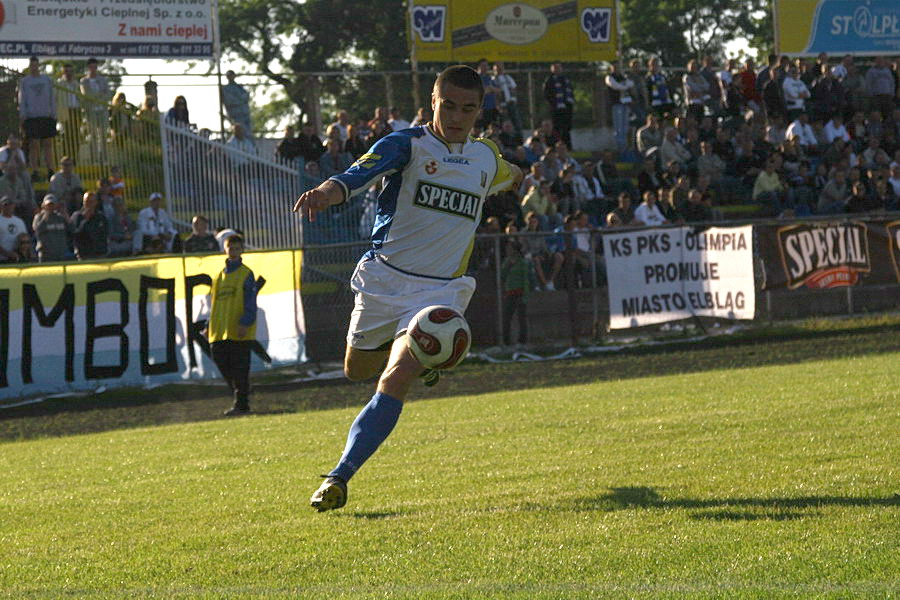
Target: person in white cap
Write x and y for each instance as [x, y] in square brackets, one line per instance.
[155, 227]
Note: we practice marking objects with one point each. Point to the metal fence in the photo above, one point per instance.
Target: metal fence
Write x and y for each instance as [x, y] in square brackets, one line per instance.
[576, 312]
[232, 186]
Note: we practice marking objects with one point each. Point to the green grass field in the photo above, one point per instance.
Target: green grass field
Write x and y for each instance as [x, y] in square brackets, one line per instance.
[767, 469]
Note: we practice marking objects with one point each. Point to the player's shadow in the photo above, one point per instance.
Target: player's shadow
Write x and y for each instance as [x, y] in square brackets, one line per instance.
[722, 509]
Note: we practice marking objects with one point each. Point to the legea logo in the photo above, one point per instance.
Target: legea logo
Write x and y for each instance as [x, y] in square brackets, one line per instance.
[428, 22]
[516, 24]
[595, 23]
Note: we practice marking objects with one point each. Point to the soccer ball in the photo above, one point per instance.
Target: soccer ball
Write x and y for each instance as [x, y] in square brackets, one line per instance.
[439, 337]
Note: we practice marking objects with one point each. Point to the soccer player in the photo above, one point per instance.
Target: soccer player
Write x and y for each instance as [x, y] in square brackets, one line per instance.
[436, 179]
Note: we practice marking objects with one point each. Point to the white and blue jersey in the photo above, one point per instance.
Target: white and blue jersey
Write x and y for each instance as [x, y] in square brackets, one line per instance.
[430, 205]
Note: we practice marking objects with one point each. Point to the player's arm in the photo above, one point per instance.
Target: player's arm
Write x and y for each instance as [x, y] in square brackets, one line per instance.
[389, 155]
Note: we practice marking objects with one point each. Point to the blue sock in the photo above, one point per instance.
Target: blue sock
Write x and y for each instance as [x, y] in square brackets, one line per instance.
[371, 427]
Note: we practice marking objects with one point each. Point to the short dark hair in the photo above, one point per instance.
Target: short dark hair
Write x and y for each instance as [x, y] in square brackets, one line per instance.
[462, 76]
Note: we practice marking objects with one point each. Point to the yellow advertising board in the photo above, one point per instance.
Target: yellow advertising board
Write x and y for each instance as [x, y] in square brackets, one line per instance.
[534, 31]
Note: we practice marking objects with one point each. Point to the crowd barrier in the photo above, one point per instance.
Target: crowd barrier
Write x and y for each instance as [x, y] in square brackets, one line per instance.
[720, 272]
[81, 326]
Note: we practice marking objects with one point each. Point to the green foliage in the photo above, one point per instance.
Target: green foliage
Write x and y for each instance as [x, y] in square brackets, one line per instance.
[678, 30]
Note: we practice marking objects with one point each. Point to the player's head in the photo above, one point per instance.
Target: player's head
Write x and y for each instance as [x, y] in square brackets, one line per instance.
[456, 102]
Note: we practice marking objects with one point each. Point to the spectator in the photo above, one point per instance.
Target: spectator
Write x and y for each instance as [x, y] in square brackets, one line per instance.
[52, 230]
[827, 95]
[378, 126]
[875, 124]
[236, 101]
[536, 249]
[724, 79]
[710, 164]
[509, 105]
[624, 211]
[37, 110]
[396, 122]
[13, 185]
[769, 189]
[116, 182]
[25, 248]
[515, 274]
[105, 198]
[696, 89]
[90, 229]
[883, 197]
[860, 201]
[873, 157]
[309, 144]
[795, 94]
[647, 213]
[564, 190]
[894, 180]
[155, 227]
[335, 160]
[552, 166]
[541, 202]
[620, 88]
[510, 138]
[713, 97]
[749, 163]
[149, 111]
[119, 118]
[694, 210]
[587, 190]
[356, 142]
[648, 179]
[68, 110]
[773, 96]
[200, 240]
[179, 114]
[661, 103]
[12, 152]
[10, 228]
[881, 87]
[422, 117]
[751, 93]
[342, 122]
[239, 144]
[671, 149]
[667, 207]
[801, 131]
[650, 136]
[835, 129]
[834, 196]
[95, 88]
[534, 178]
[560, 97]
[547, 136]
[842, 69]
[123, 240]
[640, 101]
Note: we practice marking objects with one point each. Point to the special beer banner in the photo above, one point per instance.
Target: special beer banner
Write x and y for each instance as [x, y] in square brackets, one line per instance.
[533, 31]
[79, 326]
[829, 254]
[109, 28]
[659, 275]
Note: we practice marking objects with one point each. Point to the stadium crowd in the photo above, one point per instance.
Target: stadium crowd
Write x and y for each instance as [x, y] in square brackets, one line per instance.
[794, 138]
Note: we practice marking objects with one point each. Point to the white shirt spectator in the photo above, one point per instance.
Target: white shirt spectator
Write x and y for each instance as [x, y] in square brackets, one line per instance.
[895, 183]
[833, 132]
[10, 228]
[804, 133]
[839, 71]
[582, 239]
[649, 215]
[154, 223]
[795, 93]
[507, 86]
[6, 153]
[583, 189]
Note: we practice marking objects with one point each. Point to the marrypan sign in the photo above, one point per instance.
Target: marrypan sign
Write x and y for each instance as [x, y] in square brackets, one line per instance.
[516, 24]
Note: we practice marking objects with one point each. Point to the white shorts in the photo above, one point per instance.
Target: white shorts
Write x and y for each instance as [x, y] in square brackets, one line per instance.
[388, 299]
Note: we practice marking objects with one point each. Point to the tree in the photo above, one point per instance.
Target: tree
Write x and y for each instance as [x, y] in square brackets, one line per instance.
[289, 41]
[678, 30]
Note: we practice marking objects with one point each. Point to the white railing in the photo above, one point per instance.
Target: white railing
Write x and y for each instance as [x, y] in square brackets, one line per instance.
[231, 187]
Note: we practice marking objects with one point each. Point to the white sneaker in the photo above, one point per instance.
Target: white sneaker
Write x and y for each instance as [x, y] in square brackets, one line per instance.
[550, 287]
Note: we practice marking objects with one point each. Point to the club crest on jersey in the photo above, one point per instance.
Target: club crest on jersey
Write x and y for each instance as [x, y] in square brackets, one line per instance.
[367, 160]
[448, 200]
[431, 167]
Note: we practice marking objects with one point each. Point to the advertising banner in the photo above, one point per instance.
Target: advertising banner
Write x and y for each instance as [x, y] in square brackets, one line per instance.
[80, 326]
[827, 254]
[533, 31]
[859, 27]
[109, 28]
[659, 275]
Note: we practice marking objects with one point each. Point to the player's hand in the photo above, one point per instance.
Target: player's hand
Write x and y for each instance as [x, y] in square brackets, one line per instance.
[311, 202]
